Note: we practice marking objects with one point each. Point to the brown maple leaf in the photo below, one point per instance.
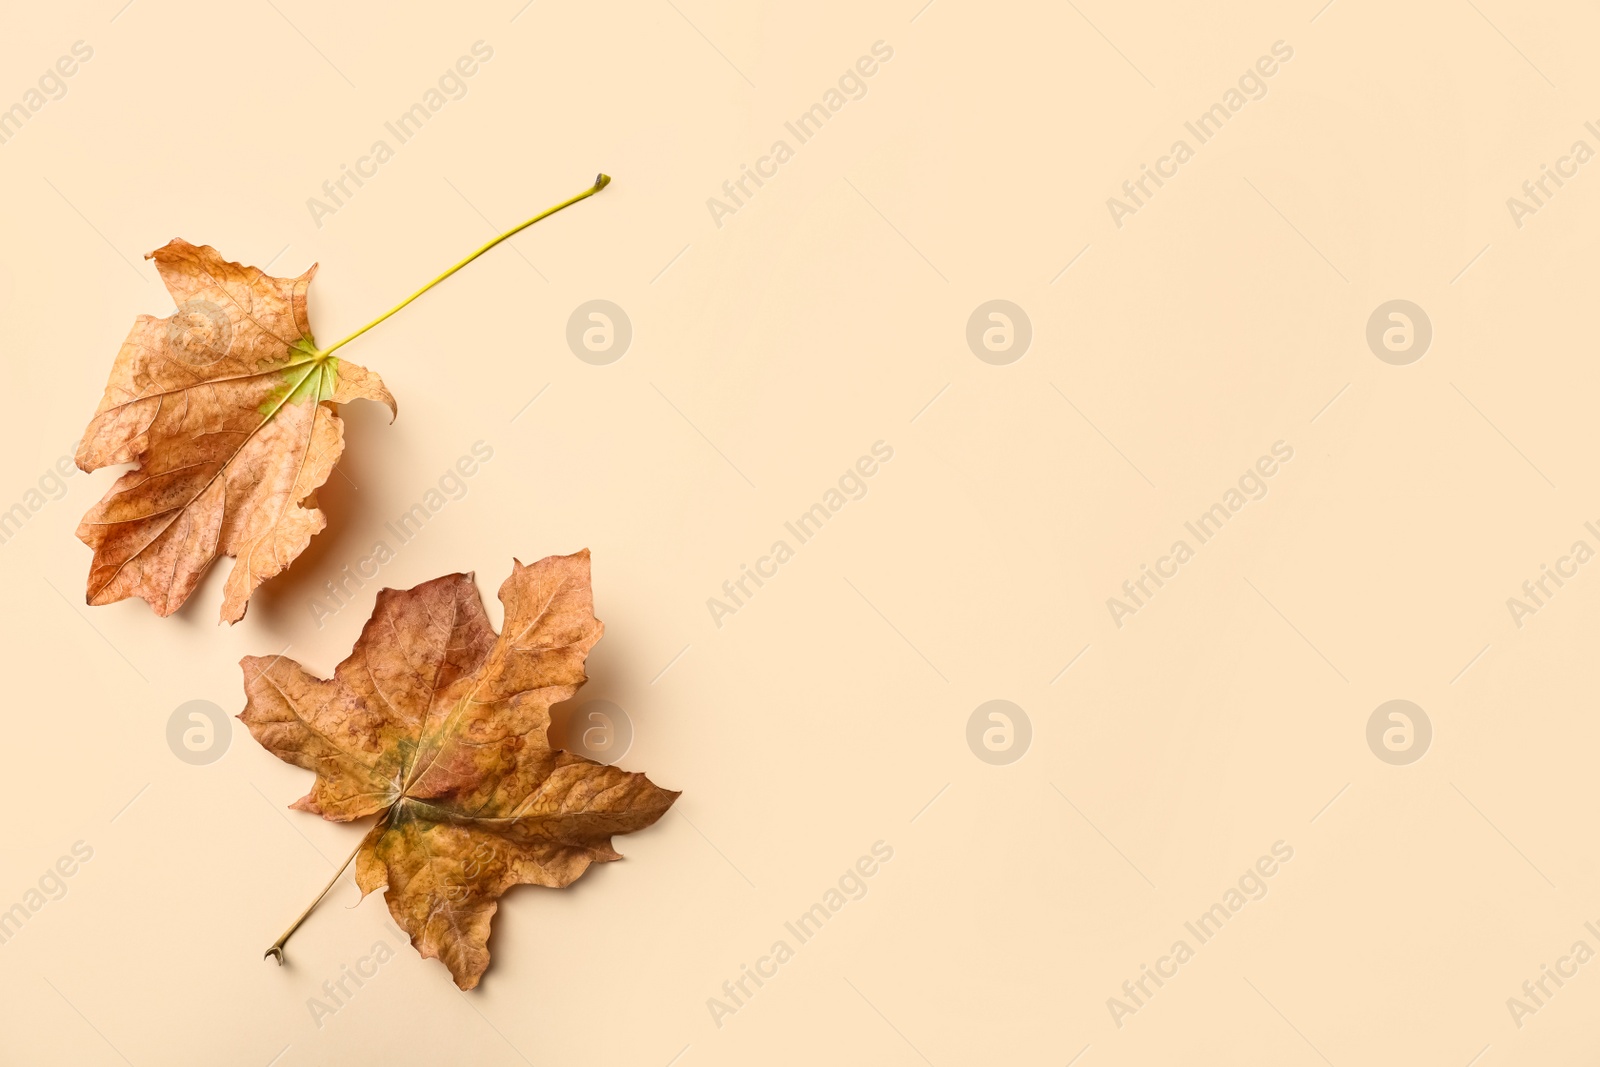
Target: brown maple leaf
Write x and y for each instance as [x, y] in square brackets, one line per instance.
[437, 724]
[227, 407]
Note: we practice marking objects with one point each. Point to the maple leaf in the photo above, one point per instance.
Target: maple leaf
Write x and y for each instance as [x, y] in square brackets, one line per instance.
[227, 408]
[438, 725]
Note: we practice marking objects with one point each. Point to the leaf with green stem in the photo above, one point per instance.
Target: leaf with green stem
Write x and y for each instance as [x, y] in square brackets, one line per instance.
[229, 411]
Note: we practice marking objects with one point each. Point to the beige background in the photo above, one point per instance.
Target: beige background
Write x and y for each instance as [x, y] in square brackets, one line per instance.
[831, 712]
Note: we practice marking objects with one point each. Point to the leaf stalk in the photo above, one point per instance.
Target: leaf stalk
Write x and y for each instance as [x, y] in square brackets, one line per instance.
[277, 946]
[600, 182]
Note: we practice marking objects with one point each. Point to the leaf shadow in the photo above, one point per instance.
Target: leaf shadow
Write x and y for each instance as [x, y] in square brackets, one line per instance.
[293, 592]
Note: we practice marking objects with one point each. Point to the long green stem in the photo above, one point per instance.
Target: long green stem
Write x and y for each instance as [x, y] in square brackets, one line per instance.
[600, 183]
[277, 946]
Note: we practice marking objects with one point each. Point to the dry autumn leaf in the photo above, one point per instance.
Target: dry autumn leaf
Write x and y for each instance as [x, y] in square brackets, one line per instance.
[228, 410]
[227, 407]
[437, 725]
